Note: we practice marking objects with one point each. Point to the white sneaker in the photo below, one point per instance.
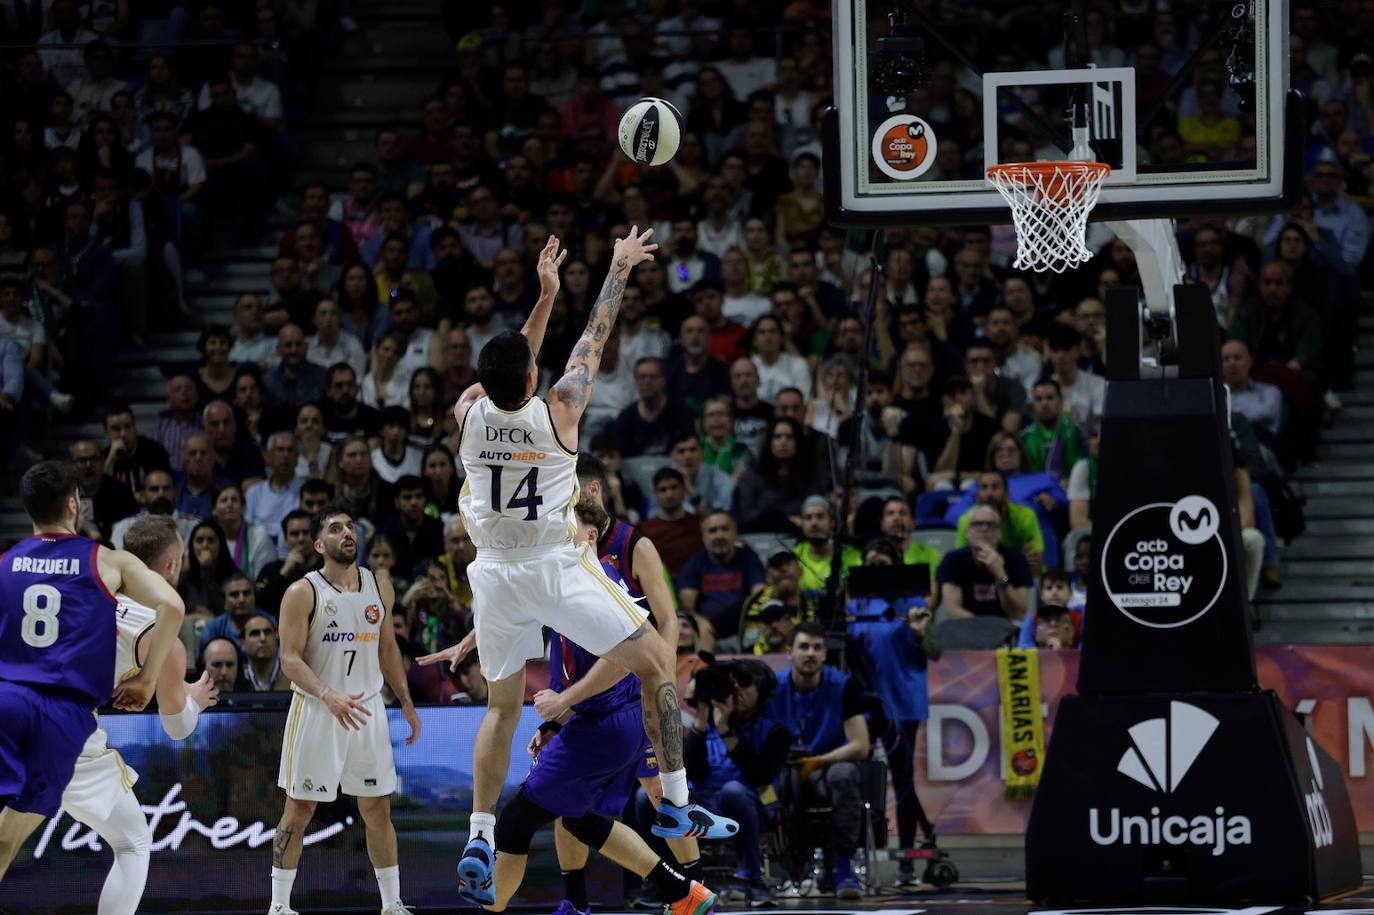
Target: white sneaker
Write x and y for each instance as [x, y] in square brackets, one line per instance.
[397, 908]
[280, 909]
[60, 402]
[1331, 399]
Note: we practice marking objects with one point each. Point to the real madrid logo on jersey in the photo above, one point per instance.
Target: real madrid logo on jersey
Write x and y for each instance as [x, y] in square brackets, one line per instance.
[329, 607]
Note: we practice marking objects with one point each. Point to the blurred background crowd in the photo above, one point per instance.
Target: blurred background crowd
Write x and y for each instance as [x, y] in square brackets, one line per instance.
[143, 140]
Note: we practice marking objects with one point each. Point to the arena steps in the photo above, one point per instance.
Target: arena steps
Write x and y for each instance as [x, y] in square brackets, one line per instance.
[231, 270]
[1296, 632]
[1316, 545]
[1351, 486]
[1323, 599]
[1337, 568]
[1330, 506]
[1328, 572]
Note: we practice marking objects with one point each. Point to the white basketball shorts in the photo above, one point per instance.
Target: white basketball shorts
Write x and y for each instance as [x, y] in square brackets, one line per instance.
[97, 782]
[319, 755]
[515, 593]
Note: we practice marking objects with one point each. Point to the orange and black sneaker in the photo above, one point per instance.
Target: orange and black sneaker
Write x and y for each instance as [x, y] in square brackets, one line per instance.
[698, 901]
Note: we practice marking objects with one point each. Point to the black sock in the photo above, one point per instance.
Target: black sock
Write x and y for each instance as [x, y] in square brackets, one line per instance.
[691, 870]
[669, 881]
[575, 887]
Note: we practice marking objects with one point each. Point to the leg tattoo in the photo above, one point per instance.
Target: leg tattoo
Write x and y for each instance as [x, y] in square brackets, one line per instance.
[280, 843]
[669, 710]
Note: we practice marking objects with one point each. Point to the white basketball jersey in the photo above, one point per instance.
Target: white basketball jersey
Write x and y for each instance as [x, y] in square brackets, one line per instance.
[521, 482]
[341, 647]
[132, 622]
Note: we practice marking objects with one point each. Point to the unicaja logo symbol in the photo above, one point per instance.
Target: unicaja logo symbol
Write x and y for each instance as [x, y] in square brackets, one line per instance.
[1162, 751]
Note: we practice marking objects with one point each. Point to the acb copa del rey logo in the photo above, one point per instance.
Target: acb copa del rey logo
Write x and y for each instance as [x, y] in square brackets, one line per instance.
[1163, 564]
[903, 147]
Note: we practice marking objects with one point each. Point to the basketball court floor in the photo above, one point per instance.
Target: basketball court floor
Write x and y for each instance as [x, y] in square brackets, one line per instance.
[1010, 900]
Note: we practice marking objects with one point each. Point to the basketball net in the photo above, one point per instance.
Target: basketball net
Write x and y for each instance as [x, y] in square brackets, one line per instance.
[1050, 203]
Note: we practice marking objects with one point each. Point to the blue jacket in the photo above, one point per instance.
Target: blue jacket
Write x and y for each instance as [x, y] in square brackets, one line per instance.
[815, 718]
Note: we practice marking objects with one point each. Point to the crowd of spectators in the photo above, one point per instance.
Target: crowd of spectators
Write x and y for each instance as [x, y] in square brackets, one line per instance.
[136, 135]
[727, 397]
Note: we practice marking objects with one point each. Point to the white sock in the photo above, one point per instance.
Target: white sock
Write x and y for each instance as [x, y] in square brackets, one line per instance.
[389, 882]
[281, 886]
[484, 825]
[674, 787]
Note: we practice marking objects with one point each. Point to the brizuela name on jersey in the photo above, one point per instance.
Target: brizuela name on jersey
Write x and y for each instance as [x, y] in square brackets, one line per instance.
[35, 565]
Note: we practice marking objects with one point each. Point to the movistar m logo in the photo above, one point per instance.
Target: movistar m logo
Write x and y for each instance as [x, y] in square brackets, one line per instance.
[1162, 752]
[1193, 522]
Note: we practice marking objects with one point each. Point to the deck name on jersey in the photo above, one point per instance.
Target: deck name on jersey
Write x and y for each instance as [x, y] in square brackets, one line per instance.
[40, 566]
[513, 436]
[511, 456]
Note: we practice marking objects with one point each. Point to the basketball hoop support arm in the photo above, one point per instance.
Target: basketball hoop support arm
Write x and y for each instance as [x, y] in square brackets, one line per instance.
[1157, 260]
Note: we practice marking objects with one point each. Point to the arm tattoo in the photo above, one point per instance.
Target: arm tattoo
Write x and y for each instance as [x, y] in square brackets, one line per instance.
[669, 710]
[575, 387]
[280, 842]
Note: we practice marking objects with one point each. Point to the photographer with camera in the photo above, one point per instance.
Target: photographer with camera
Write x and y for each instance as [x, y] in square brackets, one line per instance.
[824, 711]
[733, 754]
[894, 641]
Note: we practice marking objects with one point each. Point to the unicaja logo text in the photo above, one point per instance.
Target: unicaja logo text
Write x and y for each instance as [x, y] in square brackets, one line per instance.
[1162, 752]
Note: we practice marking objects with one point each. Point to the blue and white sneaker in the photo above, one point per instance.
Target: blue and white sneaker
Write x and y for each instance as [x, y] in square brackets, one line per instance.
[675, 822]
[475, 876]
[567, 908]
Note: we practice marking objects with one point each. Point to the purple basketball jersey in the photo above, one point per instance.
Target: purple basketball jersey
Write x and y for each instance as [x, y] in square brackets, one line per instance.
[57, 622]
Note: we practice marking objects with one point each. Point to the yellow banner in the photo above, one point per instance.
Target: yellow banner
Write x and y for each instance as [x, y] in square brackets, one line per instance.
[1023, 726]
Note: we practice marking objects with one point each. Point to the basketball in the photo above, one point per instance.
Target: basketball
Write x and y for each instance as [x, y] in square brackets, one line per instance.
[650, 131]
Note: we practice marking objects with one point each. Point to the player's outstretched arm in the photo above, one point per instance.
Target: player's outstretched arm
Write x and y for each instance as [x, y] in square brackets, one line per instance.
[179, 703]
[568, 397]
[653, 581]
[453, 654]
[602, 675]
[152, 591]
[294, 628]
[550, 259]
[392, 662]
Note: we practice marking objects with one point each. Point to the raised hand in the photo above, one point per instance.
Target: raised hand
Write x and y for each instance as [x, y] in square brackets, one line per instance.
[550, 259]
[635, 248]
[452, 654]
[203, 691]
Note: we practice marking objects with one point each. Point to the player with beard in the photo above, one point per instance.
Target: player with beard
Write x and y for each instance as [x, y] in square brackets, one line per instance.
[337, 646]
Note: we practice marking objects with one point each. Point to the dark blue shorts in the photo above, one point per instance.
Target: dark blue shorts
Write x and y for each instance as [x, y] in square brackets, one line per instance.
[592, 765]
[40, 738]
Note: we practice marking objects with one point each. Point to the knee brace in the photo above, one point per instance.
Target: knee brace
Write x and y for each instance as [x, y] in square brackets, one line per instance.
[517, 824]
[591, 829]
